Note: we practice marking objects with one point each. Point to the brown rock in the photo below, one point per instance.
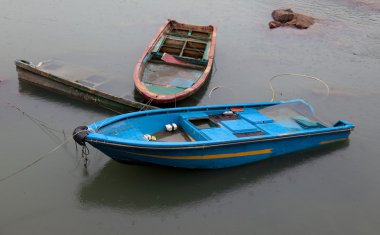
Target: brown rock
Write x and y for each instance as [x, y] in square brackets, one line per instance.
[283, 15]
[303, 21]
[286, 17]
[274, 24]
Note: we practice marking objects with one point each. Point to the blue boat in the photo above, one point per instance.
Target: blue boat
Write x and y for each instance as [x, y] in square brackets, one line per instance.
[216, 136]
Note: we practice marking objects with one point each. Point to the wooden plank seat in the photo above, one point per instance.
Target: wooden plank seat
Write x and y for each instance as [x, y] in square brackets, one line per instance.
[186, 50]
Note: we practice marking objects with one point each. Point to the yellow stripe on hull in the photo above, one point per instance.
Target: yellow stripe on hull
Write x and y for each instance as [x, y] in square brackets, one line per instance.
[332, 141]
[200, 157]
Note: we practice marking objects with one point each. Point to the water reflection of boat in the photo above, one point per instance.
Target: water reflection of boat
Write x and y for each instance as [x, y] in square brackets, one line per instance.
[159, 188]
[216, 136]
[177, 62]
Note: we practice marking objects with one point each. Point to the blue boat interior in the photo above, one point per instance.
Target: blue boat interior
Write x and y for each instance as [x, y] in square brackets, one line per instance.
[216, 123]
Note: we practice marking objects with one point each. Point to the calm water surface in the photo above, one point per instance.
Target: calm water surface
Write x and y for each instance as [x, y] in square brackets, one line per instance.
[334, 190]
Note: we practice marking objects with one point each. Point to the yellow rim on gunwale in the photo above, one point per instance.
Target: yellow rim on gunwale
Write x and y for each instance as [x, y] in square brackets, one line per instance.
[200, 157]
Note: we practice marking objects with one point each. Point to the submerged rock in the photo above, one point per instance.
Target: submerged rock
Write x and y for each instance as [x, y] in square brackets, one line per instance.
[286, 17]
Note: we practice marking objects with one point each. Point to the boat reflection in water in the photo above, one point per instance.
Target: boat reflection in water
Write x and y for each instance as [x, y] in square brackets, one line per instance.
[136, 188]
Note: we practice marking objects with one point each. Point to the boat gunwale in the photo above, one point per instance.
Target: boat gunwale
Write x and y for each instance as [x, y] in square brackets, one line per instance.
[167, 98]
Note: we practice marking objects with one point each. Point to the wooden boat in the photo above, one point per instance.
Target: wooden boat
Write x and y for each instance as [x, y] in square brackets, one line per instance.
[176, 63]
[82, 83]
[216, 136]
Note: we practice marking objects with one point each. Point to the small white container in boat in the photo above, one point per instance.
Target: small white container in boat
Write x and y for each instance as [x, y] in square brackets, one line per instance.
[171, 127]
[228, 113]
[148, 137]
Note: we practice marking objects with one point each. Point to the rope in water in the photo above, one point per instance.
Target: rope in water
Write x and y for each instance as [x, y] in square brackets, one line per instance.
[146, 105]
[47, 130]
[85, 152]
[279, 75]
[42, 125]
[40, 157]
[213, 89]
[299, 75]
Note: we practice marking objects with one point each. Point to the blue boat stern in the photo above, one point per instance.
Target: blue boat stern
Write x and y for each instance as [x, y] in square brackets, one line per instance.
[342, 123]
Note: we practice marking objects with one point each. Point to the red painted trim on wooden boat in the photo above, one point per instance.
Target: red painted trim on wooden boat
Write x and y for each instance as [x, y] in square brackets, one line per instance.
[189, 91]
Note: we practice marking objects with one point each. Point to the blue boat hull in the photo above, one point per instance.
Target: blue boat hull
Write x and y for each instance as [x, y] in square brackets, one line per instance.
[219, 156]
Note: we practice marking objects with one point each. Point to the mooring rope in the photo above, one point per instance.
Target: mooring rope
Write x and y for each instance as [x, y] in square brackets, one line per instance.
[40, 157]
[48, 131]
[85, 153]
[42, 125]
[146, 105]
[215, 88]
[296, 74]
[279, 75]
[212, 90]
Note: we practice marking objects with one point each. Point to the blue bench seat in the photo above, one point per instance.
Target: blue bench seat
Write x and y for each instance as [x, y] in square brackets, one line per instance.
[218, 133]
[254, 116]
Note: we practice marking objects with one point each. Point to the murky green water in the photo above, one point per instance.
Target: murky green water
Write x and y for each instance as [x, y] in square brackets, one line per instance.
[334, 190]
